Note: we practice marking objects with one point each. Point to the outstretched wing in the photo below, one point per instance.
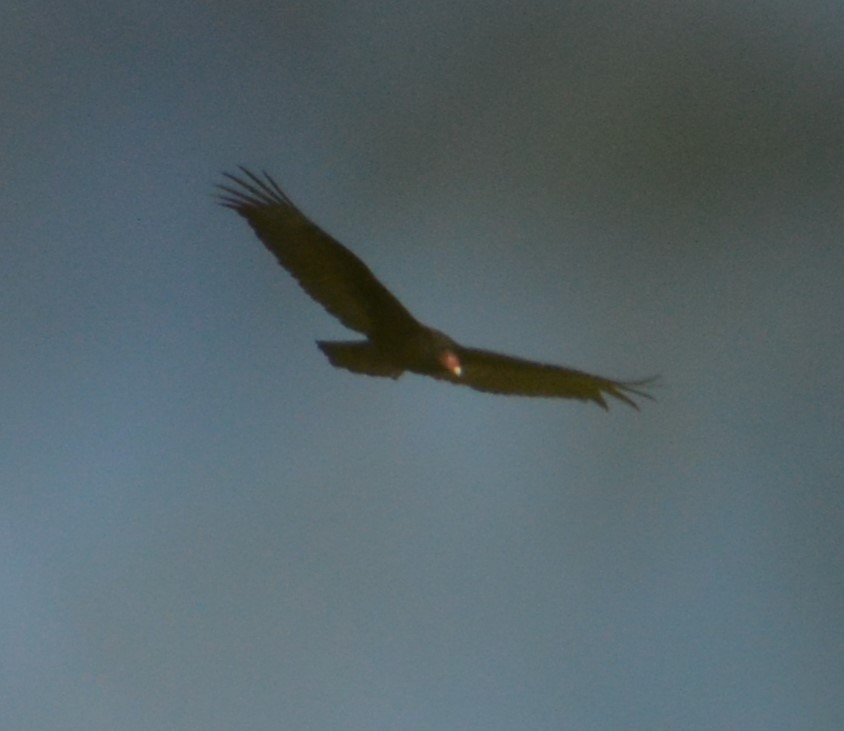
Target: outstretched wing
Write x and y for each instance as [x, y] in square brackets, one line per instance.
[504, 374]
[325, 269]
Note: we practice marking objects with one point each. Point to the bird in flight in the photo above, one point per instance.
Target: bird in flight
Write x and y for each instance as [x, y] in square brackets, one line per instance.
[395, 341]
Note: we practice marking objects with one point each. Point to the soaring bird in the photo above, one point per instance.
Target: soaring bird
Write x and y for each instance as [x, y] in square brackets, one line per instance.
[395, 341]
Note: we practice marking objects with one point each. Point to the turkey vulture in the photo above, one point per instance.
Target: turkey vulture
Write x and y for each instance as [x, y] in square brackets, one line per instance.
[395, 340]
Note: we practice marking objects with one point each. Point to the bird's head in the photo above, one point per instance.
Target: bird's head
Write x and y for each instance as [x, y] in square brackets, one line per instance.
[445, 352]
[432, 353]
[448, 359]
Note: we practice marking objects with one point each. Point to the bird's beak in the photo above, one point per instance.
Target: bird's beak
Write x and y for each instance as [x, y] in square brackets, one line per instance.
[451, 363]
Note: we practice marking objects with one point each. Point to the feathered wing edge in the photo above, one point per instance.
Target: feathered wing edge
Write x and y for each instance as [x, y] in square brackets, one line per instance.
[492, 372]
[264, 192]
[325, 269]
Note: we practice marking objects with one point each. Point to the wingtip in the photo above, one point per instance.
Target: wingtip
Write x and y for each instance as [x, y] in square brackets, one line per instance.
[250, 190]
[621, 390]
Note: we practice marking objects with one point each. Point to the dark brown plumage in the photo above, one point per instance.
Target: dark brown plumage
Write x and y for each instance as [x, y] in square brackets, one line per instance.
[395, 340]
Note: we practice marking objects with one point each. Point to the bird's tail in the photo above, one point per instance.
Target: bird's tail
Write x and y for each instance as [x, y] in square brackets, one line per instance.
[359, 357]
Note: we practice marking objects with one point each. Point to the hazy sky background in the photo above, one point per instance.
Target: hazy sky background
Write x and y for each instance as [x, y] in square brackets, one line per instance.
[205, 526]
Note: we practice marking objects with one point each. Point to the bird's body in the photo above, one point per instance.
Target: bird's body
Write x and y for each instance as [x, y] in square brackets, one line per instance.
[395, 340]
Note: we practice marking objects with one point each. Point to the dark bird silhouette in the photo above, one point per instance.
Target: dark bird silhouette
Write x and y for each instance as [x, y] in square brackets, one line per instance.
[395, 340]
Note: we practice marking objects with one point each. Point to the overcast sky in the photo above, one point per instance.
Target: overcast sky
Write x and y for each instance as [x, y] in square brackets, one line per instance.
[204, 526]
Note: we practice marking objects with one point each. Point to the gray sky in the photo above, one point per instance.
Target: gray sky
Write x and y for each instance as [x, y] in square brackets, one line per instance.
[205, 526]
